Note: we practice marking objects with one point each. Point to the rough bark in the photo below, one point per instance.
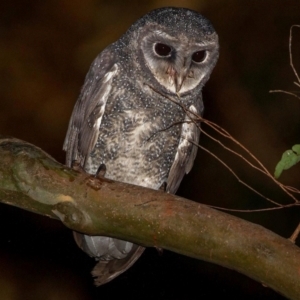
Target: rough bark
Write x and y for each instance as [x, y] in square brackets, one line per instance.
[32, 180]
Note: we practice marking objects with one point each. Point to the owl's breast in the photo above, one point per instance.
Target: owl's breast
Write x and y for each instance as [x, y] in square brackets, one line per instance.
[138, 139]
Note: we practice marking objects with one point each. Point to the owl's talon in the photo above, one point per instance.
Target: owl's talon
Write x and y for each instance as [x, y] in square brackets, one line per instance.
[163, 187]
[77, 167]
[101, 171]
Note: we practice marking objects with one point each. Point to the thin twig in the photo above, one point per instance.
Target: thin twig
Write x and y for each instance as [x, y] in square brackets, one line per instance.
[290, 51]
[237, 177]
[261, 168]
[255, 210]
[292, 66]
[285, 92]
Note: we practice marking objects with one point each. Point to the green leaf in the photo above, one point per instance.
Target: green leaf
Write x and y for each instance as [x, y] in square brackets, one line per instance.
[289, 158]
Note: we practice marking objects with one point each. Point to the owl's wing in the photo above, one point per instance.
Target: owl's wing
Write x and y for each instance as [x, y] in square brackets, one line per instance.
[186, 152]
[87, 115]
[81, 138]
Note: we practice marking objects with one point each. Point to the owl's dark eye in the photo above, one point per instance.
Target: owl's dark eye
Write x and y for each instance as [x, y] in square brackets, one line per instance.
[199, 56]
[162, 49]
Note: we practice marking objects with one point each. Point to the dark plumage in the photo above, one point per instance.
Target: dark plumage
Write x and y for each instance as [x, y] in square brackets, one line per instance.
[132, 115]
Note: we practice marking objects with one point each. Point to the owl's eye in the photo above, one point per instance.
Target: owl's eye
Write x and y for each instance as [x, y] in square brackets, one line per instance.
[162, 49]
[199, 56]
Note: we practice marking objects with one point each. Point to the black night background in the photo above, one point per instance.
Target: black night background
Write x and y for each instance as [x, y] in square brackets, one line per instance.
[46, 48]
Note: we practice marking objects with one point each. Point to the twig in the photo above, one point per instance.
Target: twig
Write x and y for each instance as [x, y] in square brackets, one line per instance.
[292, 66]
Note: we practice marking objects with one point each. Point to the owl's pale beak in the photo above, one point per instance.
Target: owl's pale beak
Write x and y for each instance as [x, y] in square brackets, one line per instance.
[178, 80]
[181, 72]
[178, 83]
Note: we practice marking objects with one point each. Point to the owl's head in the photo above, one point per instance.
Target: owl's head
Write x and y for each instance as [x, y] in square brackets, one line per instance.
[179, 47]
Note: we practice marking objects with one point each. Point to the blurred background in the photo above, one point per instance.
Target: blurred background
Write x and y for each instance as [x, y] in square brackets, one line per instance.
[46, 48]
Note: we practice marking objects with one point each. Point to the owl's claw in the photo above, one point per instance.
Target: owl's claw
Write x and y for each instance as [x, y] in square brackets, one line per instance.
[101, 171]
[77, 166]
[163, 187]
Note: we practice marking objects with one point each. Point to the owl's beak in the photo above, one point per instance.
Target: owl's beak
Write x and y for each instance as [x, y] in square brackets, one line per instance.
[181, 72]
[178, 80]
[178, 83]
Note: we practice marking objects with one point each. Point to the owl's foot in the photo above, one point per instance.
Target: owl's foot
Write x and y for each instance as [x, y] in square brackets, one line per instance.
[101, 171]
[163, 187]
[77, 167]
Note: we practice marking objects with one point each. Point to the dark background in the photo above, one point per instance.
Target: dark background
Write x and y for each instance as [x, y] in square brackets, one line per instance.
[46, 48]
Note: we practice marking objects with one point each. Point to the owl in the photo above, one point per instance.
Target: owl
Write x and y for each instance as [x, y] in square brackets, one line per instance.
[134, 115]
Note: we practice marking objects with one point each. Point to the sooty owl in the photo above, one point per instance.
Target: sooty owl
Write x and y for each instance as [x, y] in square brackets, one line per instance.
[134, 114]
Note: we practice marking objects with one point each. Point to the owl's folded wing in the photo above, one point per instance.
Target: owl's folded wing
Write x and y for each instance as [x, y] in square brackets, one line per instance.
[186, 152]
[87, 115]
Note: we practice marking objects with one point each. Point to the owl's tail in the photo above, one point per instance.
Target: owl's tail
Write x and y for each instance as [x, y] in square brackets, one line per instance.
[114, 256]
[107, 270]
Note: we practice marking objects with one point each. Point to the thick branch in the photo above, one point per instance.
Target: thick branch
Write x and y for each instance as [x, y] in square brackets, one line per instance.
[32, 180]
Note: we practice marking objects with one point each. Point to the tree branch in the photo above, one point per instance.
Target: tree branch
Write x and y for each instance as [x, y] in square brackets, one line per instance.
[32, 180]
